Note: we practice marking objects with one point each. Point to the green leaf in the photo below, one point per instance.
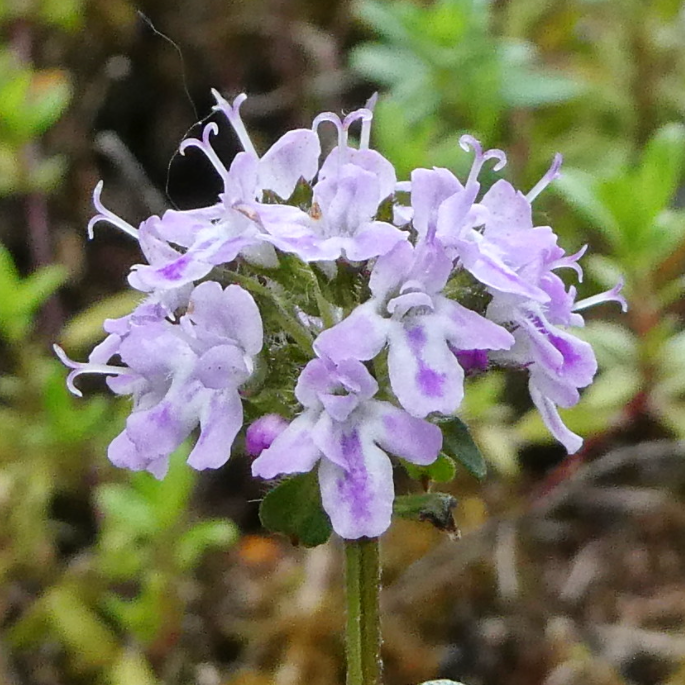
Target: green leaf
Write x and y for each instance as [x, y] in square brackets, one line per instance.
[578, 188]
[458, 444]
[434, 507]
[658, 177]
[194, 542]
[131, 667]
[39, 286]
[89, 640]
[294, 508]
[442, 470]
[127, 508]
[527, 88]
[86, 328]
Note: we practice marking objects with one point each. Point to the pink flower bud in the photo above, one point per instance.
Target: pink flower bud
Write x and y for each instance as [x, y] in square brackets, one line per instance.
[263, 432]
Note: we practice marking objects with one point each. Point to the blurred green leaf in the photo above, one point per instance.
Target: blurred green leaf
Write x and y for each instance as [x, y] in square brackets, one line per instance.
[528, 88]
[442, 470]
[20, 298]
[578, 188]
[67, 14]
[85, 328]
[661, 170]
[201, 537]
[91, 643]
[131, 668]
[460, 446]
[433, 507]
[127, 507]
[294, 508]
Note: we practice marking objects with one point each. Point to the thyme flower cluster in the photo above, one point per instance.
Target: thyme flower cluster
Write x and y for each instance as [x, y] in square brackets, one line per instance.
[410, 286]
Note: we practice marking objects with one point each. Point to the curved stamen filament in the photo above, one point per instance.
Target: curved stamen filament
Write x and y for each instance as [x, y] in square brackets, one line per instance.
[86, 367]
[366, 125]
[552, 173]
[366, 117]
[232, 113]
[613, 295]
[105, 214]
[206, 147]
[467, 143]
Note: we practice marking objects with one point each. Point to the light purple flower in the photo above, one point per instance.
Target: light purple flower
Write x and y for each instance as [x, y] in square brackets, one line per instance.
[218, 234]
[558, 363]
[349, 434]
[494, 238]
[351, 185]
[420, 326]
[180, 374]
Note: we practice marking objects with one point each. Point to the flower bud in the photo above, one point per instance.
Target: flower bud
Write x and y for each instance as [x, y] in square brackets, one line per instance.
[263, 432]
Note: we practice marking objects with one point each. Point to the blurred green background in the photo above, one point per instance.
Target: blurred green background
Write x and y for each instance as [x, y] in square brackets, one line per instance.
[568, 571]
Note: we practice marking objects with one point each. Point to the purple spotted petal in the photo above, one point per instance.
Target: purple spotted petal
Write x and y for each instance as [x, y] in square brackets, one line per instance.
[509, 209]
[486, 265]
[358, 500]
[185, 269]
[163, 427]
[559, 352]
[424, 373]
[293, 451]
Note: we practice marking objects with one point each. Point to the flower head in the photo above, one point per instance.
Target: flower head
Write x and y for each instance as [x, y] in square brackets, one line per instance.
[349, 434]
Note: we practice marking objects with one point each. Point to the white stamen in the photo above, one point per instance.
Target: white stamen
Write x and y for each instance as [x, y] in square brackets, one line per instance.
[366, 117]
[105, 214]
[86, 367]
[467, 143]
[232, 113]
[206, 147]
[612, 295]
[552, 173]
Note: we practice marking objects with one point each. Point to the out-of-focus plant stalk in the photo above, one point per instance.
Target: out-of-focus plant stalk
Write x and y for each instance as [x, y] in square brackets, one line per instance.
[37, 217]
[363, 635]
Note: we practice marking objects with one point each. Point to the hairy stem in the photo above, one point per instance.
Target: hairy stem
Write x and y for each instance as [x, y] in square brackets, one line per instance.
[363, 635]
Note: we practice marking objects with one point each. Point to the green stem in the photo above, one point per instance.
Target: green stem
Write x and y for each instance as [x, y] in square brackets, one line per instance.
[363, 634]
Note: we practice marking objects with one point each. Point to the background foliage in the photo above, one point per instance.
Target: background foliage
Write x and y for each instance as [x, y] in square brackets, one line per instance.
[111, 578]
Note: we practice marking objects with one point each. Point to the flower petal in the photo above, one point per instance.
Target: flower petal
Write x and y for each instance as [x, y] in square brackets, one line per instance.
[429, 189]
[361, 335]
[227, 314]
[468, 330]
[293, 450]
[550, 415]
[405, 436]
[359, 499]
[295, 155]
[221, 417]
[372, 240]
[424, 373]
